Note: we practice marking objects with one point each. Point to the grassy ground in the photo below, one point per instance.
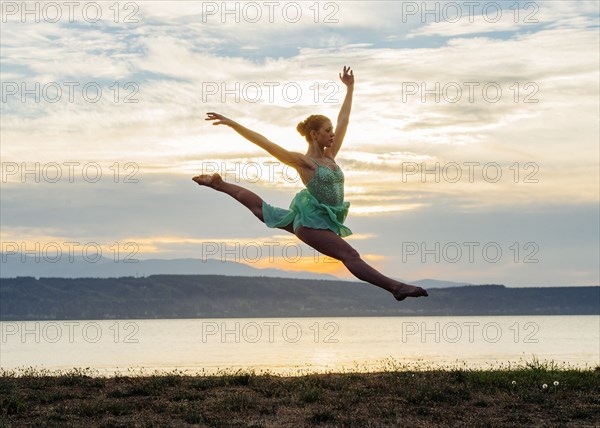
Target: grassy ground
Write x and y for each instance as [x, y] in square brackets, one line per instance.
[508, 397]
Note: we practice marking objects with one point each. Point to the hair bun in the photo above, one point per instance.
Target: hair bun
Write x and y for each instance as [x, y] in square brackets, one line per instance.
[301, 128]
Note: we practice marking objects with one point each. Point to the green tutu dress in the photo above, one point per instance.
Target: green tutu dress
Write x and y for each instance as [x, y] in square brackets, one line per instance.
[320, 206]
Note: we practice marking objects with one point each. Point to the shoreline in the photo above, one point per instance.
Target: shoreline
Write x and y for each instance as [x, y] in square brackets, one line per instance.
[380, 366]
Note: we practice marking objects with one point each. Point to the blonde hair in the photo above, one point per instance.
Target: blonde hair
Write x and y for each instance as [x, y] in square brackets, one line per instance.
[311, 123]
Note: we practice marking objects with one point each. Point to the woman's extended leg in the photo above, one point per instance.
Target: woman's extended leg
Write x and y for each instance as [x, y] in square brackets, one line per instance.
[330, 244]
[247, 198]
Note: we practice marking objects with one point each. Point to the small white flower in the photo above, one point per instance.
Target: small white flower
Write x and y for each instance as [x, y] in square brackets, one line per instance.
[514, 382]
[544, 386]
[555, 383]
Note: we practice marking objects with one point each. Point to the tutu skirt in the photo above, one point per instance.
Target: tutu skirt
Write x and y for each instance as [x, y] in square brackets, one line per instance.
[306, 210]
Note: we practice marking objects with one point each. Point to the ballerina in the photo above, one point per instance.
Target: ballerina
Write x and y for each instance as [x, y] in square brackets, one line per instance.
[317, 213]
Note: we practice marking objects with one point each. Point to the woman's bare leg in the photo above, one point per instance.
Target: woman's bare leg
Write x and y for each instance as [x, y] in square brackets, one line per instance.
[247, 198]
[330, 244]
[324, 241]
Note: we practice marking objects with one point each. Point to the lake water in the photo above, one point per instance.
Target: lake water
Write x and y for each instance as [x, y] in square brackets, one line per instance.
[299, 345]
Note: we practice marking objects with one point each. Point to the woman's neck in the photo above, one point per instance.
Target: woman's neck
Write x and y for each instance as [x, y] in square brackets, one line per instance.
[314, 151]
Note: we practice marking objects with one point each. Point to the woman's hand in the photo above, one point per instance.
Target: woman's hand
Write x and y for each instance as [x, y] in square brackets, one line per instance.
[348, 77]
[221, 120]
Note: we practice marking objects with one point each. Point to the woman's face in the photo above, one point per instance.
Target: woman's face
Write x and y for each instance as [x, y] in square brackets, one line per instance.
[324, 136]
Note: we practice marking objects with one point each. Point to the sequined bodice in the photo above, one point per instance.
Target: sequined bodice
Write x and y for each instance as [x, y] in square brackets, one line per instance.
[327, 185]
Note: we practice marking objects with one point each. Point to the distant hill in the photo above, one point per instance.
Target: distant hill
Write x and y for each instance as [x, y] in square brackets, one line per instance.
[214, 296]
[13, 266]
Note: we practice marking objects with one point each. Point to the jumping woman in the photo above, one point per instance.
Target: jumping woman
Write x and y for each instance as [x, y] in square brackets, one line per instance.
[317, 213]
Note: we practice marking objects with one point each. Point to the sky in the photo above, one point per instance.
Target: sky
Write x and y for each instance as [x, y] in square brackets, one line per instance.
[471, 155]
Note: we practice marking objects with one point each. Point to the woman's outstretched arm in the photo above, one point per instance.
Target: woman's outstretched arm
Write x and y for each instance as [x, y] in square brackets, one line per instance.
[292, 159]
[344, 117]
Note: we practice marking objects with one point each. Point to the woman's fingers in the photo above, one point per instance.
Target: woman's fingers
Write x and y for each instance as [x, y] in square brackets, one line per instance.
[219, 118]
[348, 76]
[213, 116]
[347, 72]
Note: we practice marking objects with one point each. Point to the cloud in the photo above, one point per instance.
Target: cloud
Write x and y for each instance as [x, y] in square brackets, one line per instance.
[169, 217]
[544, 123]
[462, 19]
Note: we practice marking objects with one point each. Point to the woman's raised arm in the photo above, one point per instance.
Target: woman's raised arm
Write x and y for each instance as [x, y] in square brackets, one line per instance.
[292, 159]
[344, 116]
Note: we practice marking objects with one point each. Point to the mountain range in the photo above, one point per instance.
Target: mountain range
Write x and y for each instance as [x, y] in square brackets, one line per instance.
[16, 265]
